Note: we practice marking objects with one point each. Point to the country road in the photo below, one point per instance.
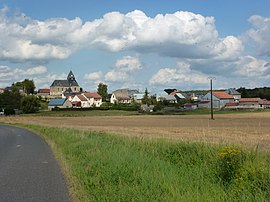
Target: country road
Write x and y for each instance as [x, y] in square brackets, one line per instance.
[28, 169]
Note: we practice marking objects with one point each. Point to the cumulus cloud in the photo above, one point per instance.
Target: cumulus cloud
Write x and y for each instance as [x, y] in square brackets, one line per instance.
[249, 66]
[182, 75]
[181, 34]
[10, 75]
[93, 76]
[259, 34]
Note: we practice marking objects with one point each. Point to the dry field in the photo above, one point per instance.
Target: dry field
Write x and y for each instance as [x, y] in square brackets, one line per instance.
[247, 129]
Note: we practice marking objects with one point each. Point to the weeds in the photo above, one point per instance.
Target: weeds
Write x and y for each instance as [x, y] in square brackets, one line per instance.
[104, 167]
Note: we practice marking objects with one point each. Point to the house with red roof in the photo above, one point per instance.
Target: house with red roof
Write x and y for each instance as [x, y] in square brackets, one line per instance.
[80, 101]
[250, 103]
[87, 99]
[94, 99]
[43, 92]
[220, 98]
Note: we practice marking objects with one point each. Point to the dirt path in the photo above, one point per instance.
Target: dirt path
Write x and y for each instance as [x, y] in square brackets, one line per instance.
[249, 129]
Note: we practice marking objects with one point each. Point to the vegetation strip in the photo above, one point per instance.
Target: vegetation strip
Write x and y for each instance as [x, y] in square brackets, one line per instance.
[104, 167]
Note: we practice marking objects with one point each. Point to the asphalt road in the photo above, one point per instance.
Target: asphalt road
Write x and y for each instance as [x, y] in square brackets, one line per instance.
[28, 169]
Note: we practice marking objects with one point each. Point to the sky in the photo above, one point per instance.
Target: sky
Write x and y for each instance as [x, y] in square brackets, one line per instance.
[136, 44]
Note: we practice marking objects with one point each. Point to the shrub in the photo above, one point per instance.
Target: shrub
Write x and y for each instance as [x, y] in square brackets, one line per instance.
[230, 160]
[9, 111]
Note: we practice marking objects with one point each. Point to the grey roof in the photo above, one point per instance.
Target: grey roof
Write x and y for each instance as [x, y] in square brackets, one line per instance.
[70, 81]
[57, 102]
[124, 93]
[232, 91]
[62, 83]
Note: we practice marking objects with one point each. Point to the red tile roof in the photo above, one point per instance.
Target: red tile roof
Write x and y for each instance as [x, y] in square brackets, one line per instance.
[44, 90]
[265, 102]
[250, 100]
[81, 97]
[92, 95]
[76, 103]
[222, 95]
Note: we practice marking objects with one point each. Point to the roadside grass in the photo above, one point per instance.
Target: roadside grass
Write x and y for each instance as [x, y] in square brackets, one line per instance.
[104, 167]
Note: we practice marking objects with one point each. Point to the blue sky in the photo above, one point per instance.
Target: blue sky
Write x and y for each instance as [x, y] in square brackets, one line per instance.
[136, 44]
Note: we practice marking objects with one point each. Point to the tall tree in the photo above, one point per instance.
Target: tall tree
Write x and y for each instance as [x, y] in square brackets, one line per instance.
[145, 99]
[27, 85]
[103, 91]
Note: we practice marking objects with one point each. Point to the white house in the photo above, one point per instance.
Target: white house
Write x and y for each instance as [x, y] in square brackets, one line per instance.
[220, 98]
[94, 99]
[123, 96]
[251, 103]
[80, 101]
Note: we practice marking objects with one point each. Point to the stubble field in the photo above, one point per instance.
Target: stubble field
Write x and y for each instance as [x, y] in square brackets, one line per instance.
[246, 129]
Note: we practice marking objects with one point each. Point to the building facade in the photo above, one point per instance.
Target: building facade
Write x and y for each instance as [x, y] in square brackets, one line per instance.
[58, 87]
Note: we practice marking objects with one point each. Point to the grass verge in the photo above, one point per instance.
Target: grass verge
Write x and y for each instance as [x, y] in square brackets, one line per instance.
[103, 167]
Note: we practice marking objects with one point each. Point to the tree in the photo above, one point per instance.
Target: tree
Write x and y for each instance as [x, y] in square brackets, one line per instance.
[145, 99]
[10, 99]
[30, 104]
[27, 85]
[103, 91]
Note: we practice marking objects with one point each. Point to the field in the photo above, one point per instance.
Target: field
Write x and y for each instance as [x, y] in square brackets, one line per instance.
[247, 129]
[148, 161]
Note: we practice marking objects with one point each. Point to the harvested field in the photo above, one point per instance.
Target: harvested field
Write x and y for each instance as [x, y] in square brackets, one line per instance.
[247, 129]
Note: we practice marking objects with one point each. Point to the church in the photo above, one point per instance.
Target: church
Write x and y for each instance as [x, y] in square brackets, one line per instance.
[59, 87]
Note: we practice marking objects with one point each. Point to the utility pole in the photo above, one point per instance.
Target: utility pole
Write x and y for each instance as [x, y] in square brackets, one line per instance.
[211, 91]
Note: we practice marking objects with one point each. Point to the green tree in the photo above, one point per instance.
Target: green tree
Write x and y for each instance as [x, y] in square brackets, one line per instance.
[30, 104]
[103, 91]
[10, 99]
[146, 100]
[27, 85]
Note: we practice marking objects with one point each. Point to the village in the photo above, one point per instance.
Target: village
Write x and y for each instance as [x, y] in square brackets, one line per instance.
[68, 94]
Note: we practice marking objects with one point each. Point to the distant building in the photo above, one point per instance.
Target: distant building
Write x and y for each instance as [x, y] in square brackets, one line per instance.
[234, 93]
[220, 98]
[59, 103]
[58, 87]
[43, 92]
[123, 96]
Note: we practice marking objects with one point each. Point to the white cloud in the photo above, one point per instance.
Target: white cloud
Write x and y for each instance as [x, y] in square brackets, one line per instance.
[259, 34]
[182, 75]
[181, 34]
[10, 75]
[128, 64]
[93, 76]
[116, 76]
[249, 66]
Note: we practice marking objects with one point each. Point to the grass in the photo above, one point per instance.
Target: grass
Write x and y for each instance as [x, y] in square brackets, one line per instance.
[103, 167]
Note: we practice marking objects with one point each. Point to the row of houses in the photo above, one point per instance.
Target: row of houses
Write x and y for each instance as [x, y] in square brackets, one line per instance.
[80, 100]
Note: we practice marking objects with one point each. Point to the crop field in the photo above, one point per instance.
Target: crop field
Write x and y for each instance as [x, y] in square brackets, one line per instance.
[246, 129]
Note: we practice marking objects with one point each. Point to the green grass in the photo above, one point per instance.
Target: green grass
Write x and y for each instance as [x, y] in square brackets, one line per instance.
[103, 167]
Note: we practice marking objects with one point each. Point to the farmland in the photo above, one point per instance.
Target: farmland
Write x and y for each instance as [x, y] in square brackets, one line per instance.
[148, 161]
[247, 129]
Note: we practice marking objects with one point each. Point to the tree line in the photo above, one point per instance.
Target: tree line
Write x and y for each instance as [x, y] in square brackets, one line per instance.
[263, 93]
[19, 97]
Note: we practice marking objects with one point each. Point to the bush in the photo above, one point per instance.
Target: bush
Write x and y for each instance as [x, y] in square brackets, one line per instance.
[9, 111]
[230, 160]
[30, 104]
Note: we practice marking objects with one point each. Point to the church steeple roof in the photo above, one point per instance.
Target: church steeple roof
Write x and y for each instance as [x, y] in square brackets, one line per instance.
[71, 79]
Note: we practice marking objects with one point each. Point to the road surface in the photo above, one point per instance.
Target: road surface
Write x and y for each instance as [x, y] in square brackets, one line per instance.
[28, 170]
